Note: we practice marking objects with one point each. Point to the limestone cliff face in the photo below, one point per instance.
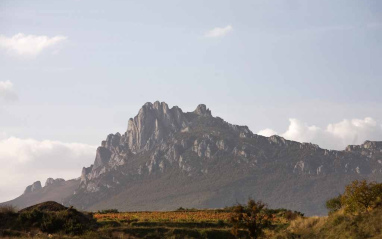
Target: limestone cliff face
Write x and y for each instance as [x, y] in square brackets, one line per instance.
[168, 158]
[54, 190]
[52, 181]
[34, 187]
[179, 150]
[152, 125]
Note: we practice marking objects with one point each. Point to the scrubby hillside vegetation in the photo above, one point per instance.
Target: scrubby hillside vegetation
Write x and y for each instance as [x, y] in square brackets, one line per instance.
[44, 219]
[357, 213]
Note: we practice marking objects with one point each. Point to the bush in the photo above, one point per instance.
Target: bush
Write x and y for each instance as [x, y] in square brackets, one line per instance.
[359, 196]
[252, 217]
[31, 218]
[334, 204]
[108, 211]
[355, 214]
[68, 221]
[220, 223]
[73, 227]
[51, 223]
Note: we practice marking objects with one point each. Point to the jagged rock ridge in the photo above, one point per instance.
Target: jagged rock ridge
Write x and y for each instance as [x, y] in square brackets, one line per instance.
[54, 190]
[174, 150]
[34, 187]
[168, 158]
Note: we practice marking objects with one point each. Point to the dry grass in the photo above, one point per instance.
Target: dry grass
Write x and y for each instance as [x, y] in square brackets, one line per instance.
[8, 209]
[307, 225]
[176, 216]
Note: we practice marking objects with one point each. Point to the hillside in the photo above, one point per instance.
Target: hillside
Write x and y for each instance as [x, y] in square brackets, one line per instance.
[54, 190]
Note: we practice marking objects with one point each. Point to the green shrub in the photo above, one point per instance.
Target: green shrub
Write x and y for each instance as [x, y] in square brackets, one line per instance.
[220, 223]
[334, 204]
[73, 227]
[31, 218]
[108, 211]
[68, 221]
[51, 223]
[361, 196]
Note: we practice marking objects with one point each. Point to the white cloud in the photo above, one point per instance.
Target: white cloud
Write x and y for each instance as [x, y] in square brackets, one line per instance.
[356, 130]
[30, 45]
[267, 132]
[300, 131]
[24, 161]
[7, 92]
[219, 31]
[334, 136]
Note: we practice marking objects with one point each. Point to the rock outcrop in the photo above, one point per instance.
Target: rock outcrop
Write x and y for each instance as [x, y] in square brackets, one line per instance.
[34, 187]
[195, 150]
[153, 123]
[54, 190]
[168, 158]
[51, 181]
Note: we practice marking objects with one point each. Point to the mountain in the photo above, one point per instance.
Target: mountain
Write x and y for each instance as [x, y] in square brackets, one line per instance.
[168, 158]
[54, 190]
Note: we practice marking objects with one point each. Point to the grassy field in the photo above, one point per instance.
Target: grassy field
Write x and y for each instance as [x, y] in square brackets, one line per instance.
[177, 224]
[350, 216]
[183, 224]
[173, 216]
[172, 224]
[52, 220]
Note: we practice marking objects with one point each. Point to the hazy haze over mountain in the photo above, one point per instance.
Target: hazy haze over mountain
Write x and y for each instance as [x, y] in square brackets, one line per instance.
[74, 71]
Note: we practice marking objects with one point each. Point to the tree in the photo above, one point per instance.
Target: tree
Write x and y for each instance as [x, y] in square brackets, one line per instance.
[361, 196]
[252, 217]
[334, 204]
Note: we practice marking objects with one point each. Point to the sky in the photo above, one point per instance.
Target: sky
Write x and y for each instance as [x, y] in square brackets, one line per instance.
[72, 72]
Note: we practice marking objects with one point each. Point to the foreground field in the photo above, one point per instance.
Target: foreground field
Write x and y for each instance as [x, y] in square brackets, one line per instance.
[175, 216]
[357, 213]
[215, 224]
[49, 220]
[174, 224]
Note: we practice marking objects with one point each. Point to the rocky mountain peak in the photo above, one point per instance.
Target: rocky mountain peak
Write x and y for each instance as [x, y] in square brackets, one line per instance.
[372, 145]
[52, 181]
[153, 123]
[169, 158]
[367, 145]
[34, 187]
[202, 110]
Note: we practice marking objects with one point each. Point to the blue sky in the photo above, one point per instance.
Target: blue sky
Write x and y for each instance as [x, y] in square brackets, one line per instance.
[307, 70]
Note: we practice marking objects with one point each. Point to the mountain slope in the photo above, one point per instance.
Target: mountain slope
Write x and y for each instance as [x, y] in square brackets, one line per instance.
[54, 190]
[168, 158]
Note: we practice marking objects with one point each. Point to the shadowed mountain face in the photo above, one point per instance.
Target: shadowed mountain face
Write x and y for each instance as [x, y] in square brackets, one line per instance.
[54, 190]
[168, 158]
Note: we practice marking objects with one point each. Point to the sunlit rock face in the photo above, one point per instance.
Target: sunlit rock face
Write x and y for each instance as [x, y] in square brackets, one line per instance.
[152, 125]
